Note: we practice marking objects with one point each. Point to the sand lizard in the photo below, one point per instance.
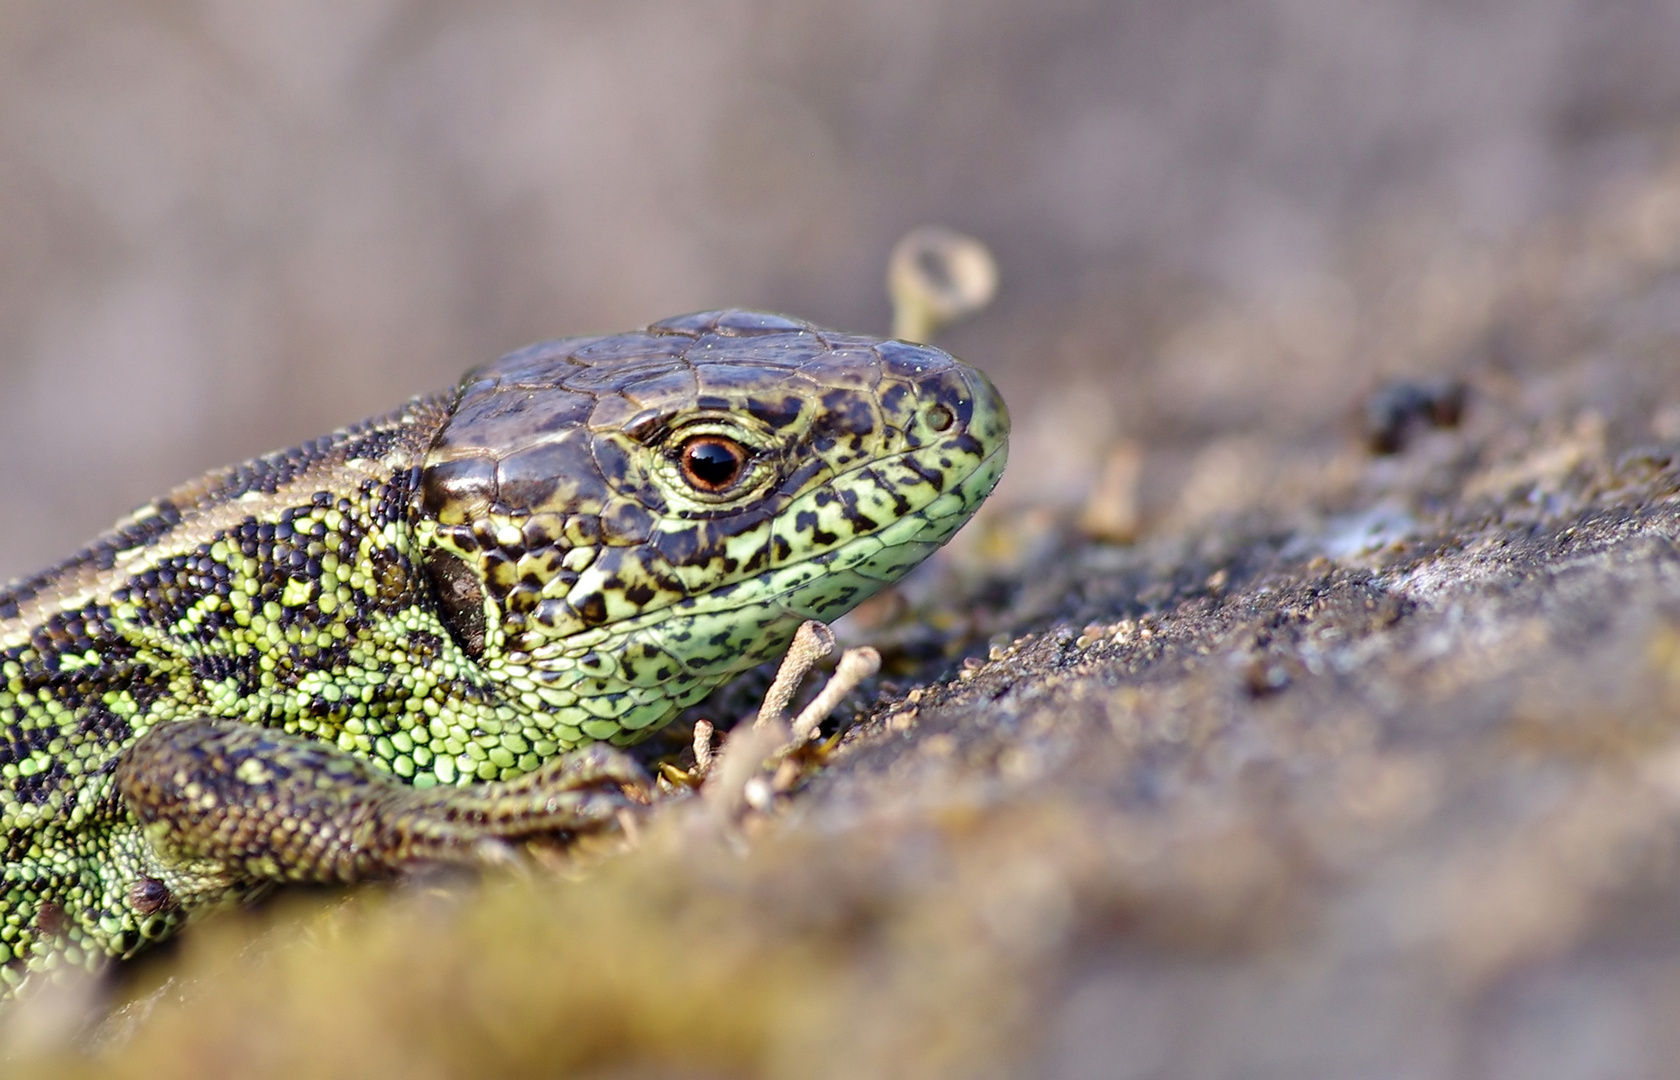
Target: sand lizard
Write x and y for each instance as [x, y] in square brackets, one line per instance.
[424, 632]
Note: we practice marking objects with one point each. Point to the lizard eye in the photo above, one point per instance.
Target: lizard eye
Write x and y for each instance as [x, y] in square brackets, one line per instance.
[711, 463]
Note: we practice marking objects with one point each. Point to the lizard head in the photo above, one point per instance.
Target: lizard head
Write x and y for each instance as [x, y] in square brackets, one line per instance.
[615, 525]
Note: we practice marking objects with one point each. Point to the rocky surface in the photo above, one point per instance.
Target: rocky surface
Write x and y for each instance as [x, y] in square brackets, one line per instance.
[1347, 747]
[1305, 704]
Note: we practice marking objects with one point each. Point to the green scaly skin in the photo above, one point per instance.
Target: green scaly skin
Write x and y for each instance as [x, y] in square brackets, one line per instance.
[411, 639]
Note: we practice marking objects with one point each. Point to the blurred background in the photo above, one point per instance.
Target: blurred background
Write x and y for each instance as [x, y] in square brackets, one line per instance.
[227, 226]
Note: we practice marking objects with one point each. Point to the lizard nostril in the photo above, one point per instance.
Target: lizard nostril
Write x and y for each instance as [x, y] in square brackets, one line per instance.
[939, 418]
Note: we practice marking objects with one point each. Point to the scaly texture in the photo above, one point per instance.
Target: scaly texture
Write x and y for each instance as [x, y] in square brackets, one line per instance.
[258, 677]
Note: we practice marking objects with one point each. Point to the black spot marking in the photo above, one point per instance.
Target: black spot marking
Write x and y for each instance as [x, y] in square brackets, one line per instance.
[845, 412]
[35, 789]
[17, 743]
[775, 415]
[933, 478]
[103, 727]
[678, 547]
[593, 611]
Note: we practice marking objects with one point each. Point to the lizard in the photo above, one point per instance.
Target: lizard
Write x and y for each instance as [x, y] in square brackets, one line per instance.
[429, 633]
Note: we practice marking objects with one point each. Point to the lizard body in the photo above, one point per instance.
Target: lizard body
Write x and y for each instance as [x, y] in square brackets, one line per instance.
[391, 643]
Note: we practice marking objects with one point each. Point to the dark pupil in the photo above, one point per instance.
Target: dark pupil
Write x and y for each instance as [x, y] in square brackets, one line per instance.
[712, 463]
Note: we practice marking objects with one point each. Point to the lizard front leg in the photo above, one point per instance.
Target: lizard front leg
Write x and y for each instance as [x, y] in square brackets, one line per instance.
[230, 807]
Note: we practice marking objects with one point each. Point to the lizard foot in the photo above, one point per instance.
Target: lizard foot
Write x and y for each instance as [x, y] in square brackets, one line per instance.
[758, 761]
[226, 804]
